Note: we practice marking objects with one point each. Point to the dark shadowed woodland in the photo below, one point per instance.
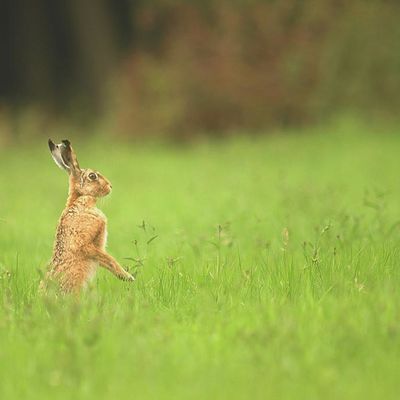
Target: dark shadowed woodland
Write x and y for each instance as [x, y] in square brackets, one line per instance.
[177, 68]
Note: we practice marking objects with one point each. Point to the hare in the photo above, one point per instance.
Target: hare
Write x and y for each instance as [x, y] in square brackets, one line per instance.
[82, 229]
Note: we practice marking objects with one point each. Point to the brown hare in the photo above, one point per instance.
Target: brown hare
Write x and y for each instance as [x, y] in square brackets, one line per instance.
[82, 229]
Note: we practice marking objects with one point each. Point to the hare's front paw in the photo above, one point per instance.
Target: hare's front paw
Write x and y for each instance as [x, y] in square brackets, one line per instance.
[128, 277]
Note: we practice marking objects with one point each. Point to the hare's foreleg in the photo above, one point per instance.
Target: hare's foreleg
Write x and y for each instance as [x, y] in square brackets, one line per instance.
[108, 262]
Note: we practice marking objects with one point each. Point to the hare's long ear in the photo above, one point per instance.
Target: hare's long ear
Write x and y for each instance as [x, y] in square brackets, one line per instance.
[64, 156]
[55, 150]
[69, 157]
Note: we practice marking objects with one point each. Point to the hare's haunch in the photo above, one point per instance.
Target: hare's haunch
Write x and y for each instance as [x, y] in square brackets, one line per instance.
[82, 229]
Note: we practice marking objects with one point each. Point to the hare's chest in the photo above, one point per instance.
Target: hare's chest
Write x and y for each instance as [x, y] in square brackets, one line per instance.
[99, 215]
[103, 234]
[104, 237]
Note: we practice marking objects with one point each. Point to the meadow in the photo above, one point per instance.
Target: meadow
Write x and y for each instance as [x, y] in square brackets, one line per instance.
[267, 267]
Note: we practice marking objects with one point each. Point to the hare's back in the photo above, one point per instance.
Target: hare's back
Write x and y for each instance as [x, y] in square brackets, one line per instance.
[78, 228]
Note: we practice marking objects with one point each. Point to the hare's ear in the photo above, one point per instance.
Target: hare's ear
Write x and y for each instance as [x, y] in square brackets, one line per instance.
[55, 150]
[69, 157]
[64, 156]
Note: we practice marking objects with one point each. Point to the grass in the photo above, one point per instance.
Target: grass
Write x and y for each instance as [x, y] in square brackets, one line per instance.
[266, 268]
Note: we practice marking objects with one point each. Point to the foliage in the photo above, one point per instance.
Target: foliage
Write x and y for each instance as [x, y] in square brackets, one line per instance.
[177, 68]
[226, 66]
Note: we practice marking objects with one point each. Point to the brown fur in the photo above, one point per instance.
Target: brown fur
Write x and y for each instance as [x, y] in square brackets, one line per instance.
[82, 229]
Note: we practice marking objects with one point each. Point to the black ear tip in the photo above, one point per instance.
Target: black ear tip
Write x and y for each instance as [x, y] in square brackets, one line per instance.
[51, 144]
[66, 142]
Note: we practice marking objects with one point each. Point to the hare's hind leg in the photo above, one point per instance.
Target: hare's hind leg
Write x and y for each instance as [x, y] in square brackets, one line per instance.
[77, 276]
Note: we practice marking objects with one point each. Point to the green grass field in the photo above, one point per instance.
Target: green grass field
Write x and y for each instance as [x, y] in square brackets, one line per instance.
[266, 268]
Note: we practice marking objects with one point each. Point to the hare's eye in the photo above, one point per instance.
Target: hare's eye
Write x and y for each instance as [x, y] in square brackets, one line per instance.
[92, 176]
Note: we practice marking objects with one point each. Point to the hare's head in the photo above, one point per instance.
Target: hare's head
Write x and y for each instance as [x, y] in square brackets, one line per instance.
[83, 182]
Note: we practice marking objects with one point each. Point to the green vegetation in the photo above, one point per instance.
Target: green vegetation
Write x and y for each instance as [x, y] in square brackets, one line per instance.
[266, 268]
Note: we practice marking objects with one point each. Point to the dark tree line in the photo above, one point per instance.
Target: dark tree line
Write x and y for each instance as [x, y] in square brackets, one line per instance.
[50, 49]
[176, 66]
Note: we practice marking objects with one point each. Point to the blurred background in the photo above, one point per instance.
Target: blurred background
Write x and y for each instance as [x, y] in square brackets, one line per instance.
[176, 69]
